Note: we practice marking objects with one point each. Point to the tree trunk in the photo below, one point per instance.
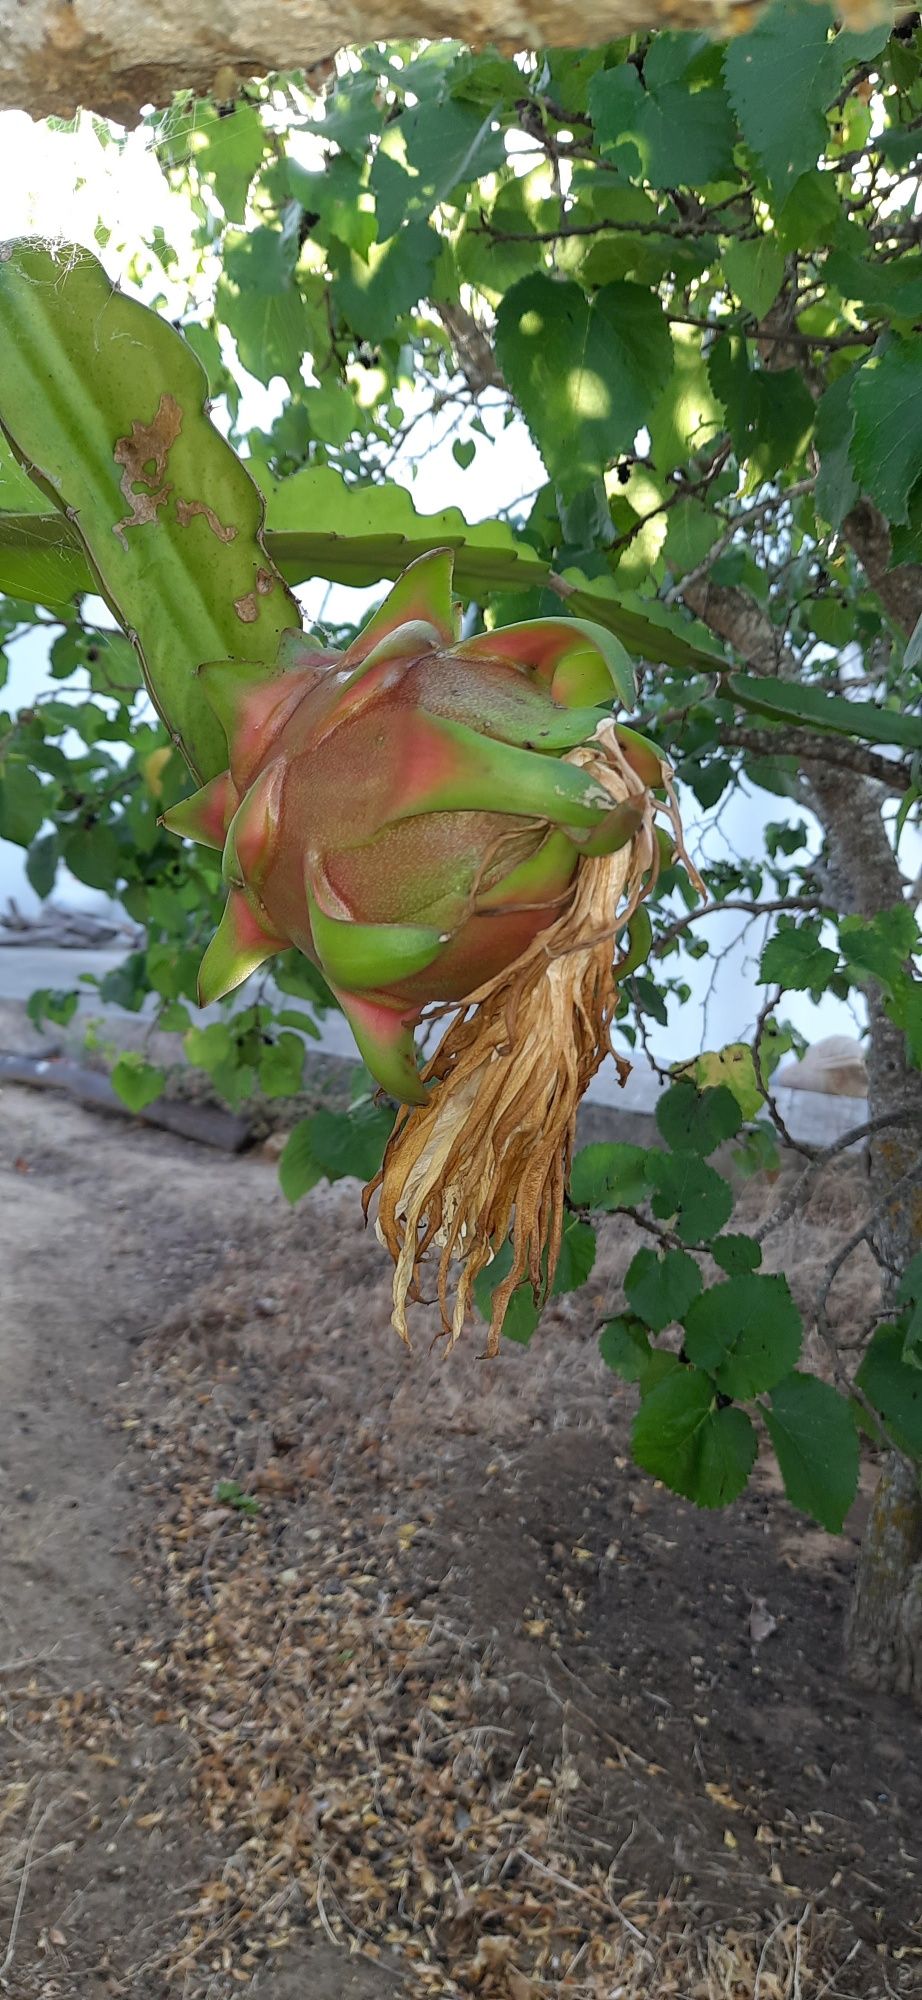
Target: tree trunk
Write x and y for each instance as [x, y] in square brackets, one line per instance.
[884, 1632]
[884, 1638]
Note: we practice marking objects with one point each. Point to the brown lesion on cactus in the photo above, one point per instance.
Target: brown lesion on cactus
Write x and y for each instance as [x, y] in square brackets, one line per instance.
[247, 607]
[187, 510]
[143, 454]
[489, 1153]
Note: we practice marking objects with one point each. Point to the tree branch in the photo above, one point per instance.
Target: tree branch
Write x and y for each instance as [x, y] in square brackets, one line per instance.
[749, 904]
[809, 747]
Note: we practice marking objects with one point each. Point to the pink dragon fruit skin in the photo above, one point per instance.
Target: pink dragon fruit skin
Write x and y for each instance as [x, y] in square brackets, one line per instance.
[402, 812]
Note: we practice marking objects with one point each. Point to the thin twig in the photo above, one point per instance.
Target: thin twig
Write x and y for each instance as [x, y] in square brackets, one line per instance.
[10, 1952]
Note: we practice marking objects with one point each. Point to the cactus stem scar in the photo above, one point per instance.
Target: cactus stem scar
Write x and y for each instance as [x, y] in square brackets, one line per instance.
[186, 511]
[143, 455]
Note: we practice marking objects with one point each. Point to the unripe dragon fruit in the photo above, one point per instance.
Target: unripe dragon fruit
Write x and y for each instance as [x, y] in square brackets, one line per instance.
[458, 825]
[401, 812]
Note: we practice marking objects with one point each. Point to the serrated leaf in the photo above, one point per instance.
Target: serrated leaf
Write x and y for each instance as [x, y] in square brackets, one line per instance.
[92, 853]
[746, 1332]
[22, 801]
[734, 1069]
[446, 142]
[795, 959]
[880, 945]
[676, 137]
[681, 1437]
[42, 862]
[169, 517]
[281, 1066]
[697, 1121]
[227, 146]
[736, 1254]
[577, 1256]
[259, 302]
[609, 1176]
[754, 269]
[781, 76]
[137, 1082]
[332, 1146]
[894, 1386]
[585, 375]
[689, 1190]
[523, 1311]
[50, 1003]
[813, 1431]
[625, 1349]
[836, 487]
[661, 1286]
[886, 448]
[770, 416]
[373, 294]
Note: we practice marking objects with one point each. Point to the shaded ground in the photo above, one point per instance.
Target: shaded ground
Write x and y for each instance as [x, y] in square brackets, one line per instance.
[451, 1700]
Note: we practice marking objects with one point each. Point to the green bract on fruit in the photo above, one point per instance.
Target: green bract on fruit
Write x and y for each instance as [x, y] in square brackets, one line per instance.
[403, 812]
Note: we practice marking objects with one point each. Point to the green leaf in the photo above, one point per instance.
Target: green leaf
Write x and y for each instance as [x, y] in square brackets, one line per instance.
[176, 576]
[93, 854]
[781, 76]
[372, 295]
[42, 863]
[836, 487]
[813, 708]
[227, 146]
[137, 1082]
[894, 289]
[332, 1145]
[689, 1190]
[463, 452]
[894, 1386]
[612, 1176]
[661, 1287]
[795, 959]
[680, 138]
[734, 1069]
[813, 1431]
[702, 1452]
[22, 802]
[258, 300]
[52, 1004]
[522, 1313]
[746, 1332]
[736, 1254]
[697, 1121]
[586, 376]
[447, 142]
[207, 1048]
[770, 416]
[886, 451]
[281, 1066]
[880, 945]
[577, 1256]
[754, 270]
[625, 1349]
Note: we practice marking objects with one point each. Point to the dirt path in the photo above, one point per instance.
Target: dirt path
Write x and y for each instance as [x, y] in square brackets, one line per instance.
[448, 1700]
[103, 1230]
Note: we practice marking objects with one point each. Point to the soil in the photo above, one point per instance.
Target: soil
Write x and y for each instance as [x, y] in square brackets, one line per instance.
[328, 1670]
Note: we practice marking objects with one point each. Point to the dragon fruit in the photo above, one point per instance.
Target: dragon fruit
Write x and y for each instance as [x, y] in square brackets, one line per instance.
[456, 826]
[401, 812]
